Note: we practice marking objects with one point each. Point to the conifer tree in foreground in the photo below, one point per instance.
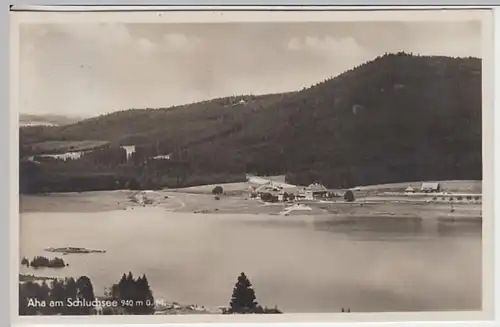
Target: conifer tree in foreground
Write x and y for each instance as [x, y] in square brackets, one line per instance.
[145, 296]
[85, 291]
[243, 299]
[135, 294]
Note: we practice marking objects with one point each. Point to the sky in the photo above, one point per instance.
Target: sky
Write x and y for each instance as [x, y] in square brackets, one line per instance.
[90, 69]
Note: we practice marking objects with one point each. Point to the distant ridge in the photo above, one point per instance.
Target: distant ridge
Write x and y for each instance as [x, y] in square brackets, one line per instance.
[49, 120]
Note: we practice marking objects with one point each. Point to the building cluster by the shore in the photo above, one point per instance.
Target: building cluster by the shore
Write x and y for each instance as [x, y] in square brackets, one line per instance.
[270, 190]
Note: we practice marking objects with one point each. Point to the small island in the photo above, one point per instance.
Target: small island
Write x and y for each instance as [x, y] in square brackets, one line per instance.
[40, 261]
[68, 250]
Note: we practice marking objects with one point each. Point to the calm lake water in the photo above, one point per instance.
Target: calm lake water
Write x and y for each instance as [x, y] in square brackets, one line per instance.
[301, 264]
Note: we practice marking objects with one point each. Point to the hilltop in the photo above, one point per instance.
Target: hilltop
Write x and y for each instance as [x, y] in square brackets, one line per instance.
[397, 118]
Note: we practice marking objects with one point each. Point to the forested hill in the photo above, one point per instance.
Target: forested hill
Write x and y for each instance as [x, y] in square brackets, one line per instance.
[397, 118]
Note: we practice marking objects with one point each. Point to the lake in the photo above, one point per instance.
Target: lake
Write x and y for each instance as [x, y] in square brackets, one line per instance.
[300, 263]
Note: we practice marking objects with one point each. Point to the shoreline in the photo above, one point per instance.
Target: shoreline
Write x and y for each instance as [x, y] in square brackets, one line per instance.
[205, 204]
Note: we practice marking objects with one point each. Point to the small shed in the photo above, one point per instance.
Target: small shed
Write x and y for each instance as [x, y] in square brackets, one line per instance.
[316, 190]
[430, 187]
[409, 189]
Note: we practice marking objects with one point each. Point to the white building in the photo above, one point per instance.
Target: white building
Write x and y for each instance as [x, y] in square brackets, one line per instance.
[315, 190]
[430, 187]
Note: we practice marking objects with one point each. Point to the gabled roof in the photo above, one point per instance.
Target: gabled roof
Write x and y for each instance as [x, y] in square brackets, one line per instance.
[270, 187]
[430, 185]
[316, 187]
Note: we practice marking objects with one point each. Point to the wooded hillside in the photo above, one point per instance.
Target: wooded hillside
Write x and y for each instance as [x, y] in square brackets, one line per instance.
[397, 118]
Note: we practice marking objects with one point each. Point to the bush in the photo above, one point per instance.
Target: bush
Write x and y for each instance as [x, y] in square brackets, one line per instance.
[218, 190]
[274, 310]
[349, 196]
[268, 197]
[333, 195]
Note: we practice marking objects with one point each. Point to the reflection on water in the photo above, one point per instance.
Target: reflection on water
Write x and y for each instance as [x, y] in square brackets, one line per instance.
[370, 225]
[389, 227]
[300, 263]
[459, 228]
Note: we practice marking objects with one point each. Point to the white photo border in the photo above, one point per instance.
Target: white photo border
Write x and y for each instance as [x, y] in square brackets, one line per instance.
[491, 79]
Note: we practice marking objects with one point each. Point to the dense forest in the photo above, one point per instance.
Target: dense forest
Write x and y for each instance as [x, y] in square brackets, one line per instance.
[35, 298]
[397, 118]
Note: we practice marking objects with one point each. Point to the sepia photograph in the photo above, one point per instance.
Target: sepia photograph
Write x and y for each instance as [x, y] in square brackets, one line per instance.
[253, 167]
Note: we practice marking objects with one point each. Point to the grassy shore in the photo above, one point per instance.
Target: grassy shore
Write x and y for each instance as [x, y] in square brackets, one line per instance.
[199, 200]
[33, 278]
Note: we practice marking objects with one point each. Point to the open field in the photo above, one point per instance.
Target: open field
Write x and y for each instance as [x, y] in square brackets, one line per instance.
[464, 186]
[65, 146]
[229, 188]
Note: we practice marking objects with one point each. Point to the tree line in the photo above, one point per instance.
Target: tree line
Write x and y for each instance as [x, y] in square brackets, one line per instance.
[131, 296]
[52, 298]
[108, 168]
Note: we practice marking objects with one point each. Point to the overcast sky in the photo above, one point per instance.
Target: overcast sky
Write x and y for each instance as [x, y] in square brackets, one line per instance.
[91, 69]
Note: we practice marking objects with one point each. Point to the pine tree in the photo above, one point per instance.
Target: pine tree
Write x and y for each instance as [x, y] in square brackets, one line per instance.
[71, 290]
[130, 293]
[145, 295]
[85, 291]
[121, 287]
[243, 299]
[115, 293]
[57, 293]
[27, 291]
